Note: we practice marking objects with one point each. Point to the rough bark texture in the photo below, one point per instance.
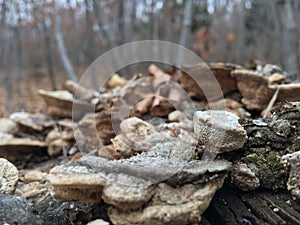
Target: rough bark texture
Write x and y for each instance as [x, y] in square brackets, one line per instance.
[260, 207]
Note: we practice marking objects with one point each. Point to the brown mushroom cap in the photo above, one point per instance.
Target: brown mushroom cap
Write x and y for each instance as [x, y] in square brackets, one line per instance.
[221, 73]
[254, 89]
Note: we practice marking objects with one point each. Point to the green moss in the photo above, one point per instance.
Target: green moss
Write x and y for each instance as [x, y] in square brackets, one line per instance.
[270, 170]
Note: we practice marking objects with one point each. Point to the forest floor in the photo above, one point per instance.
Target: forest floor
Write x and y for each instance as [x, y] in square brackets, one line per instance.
[56, 171]
[31, 82]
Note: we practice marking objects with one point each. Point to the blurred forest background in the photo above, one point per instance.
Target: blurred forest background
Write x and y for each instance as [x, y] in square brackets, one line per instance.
[44, 42]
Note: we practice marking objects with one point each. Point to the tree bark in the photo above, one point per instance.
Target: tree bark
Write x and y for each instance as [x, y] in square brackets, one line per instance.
[61, 46]
[234, 207]
[290, 57]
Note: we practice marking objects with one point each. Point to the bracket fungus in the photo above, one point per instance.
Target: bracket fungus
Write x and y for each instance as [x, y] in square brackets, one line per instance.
[257, 90]
[219, 130]
[9, 176]
[141, 142]
[143, 186]
[60, 103]
[15, 149]
[201, 73]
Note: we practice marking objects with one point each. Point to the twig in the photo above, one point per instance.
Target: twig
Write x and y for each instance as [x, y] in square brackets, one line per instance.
[271, 103]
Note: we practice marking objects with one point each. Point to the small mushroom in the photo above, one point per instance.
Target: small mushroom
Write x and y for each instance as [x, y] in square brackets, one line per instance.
[9, 176]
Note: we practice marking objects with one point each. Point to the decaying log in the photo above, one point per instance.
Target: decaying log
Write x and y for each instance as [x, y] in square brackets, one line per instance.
[259, 207]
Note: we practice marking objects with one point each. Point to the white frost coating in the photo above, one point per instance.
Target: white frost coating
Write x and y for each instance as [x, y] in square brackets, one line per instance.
[98, 222]
[219, 130]
[218, 118]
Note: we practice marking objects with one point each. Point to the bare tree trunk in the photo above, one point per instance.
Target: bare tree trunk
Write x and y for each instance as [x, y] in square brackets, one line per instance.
[219, 28]
[121, 22]
[99, 30]
[8, 92]
[129, 17]
[105, 24]
[276, 33]
[2, 37]
[48, 54]
[186, 28]
[155, 29]
[5, 41]
[240, 45]
[88, 45]
[18, 59]
[61, 46]
[103, 21]
[155, 22]
[290, 56]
